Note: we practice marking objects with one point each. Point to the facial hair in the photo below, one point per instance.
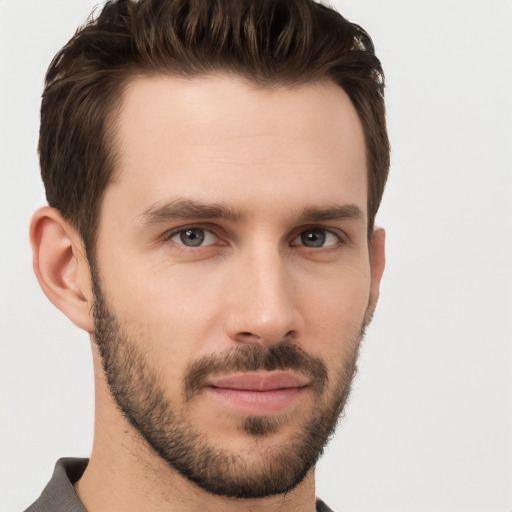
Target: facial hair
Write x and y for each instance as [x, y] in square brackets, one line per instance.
[172, 436]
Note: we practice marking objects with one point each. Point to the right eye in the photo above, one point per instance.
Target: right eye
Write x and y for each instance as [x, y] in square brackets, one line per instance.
[193, 237]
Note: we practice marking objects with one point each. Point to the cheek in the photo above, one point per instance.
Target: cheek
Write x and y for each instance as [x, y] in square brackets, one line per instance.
[171, 315]
[177, 312]
[335, 314]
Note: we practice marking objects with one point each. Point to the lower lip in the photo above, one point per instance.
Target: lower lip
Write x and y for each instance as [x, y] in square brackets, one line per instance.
[256, 403]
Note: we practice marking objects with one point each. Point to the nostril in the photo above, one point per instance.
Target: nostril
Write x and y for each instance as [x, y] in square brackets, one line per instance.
[249, 335]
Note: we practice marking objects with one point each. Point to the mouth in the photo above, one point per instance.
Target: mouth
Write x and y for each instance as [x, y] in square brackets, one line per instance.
[258, 394]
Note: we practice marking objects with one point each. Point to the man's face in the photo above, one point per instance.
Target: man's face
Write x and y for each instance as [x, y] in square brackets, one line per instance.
[233, 275]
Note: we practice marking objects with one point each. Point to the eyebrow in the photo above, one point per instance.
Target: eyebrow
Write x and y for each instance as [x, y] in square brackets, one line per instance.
[186, 209]
[334, 212]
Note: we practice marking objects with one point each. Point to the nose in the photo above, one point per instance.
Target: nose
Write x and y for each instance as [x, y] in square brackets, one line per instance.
[263, 300]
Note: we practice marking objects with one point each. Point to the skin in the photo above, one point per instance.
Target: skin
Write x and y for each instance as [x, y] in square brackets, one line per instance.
[267, 154]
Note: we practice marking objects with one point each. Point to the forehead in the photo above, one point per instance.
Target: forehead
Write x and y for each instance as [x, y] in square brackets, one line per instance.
[221, 139]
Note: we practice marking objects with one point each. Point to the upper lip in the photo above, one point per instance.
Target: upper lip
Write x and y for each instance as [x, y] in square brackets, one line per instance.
[268, 381]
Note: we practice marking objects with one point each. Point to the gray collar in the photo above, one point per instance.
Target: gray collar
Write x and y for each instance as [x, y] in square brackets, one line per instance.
[59, 495]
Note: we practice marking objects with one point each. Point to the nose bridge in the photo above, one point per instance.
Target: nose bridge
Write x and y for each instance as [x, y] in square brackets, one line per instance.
[263, 306]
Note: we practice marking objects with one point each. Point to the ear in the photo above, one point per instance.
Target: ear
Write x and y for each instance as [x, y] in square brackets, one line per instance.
[61, 266]
[377, 262]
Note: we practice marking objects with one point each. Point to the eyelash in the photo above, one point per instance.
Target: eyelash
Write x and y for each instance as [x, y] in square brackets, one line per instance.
[172, 233]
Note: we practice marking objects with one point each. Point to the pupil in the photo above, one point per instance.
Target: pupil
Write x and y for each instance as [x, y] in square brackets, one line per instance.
[313, 238]
[192, 237]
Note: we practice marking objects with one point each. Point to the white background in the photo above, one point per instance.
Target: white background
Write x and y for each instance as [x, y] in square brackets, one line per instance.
[429, 423]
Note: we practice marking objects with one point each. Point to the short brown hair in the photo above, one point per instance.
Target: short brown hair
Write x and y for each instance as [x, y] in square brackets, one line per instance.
[269, 42]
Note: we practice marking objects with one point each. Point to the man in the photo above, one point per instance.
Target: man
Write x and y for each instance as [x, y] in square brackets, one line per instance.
[213, 171]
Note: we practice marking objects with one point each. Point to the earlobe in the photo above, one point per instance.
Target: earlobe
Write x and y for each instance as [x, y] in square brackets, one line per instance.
[61, 266]
[378, 262]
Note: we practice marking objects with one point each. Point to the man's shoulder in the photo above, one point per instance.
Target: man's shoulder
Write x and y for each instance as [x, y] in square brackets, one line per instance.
[59, 495]
[322, 507]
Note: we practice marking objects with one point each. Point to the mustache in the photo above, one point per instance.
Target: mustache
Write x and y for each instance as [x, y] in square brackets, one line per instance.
[248, 358]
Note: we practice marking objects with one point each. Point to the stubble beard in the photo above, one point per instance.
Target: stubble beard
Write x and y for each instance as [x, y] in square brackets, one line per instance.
[172, 436]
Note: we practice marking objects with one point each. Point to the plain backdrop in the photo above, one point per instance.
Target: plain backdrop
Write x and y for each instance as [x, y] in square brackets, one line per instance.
[429, 423]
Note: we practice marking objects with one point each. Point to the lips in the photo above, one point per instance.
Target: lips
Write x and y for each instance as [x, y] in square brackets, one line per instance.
[258, 393]
[269, 381]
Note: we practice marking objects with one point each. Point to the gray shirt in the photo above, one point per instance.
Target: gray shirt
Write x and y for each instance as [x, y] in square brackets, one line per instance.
[60, 496]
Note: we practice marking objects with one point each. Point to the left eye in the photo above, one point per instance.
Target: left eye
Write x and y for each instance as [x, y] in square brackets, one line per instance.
[193, 237]
[316, 237]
